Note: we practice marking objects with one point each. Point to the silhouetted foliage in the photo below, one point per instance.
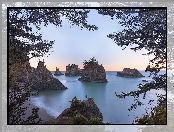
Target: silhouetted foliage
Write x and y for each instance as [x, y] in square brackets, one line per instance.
[157, 116]
[80, 119]
[91, 62]
[144, 28]
[19, 93]
[24, 44]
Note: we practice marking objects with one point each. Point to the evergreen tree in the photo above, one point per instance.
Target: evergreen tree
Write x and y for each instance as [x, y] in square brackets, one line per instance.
[24, 44]
[144, 28]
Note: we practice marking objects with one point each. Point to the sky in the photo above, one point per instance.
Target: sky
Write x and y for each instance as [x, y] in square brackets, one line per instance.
[73, 46]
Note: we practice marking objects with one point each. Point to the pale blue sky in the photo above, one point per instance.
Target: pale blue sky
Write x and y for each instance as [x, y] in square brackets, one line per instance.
[73, 46]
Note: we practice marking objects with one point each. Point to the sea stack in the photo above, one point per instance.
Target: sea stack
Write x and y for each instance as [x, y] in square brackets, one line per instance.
[43, 79]
[93, 72]
[72, 70]
[127, 72]
[57, 72]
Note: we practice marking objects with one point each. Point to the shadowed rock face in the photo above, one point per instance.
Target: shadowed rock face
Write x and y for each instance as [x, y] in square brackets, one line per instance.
[57, 72]
[73, 70]
[87, 108]
[43, 79]
[93, 72]
[127, 72]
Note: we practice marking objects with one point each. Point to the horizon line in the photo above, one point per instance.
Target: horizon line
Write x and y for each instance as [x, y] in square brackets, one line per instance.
[110, 70]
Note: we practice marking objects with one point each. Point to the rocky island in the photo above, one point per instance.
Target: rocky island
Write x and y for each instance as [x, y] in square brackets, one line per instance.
[93, 72]
[57, 72]
[127, 72]
[43, 79]
[73, 70]
[80, 112]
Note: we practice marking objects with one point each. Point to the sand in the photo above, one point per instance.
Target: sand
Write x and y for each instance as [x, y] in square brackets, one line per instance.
[42, 113]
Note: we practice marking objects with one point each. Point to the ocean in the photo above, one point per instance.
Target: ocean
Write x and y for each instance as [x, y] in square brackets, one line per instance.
[113, 109]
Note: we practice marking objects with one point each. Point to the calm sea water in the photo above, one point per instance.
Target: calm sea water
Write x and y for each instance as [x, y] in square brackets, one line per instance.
[113, 109]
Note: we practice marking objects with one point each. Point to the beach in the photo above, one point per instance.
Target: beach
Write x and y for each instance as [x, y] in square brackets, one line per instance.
[42, 113]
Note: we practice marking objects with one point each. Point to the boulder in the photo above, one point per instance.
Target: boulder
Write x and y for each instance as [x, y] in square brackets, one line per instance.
[57, 72]
[93, 72]
[72, 70]
[127, 72]
[87, 108]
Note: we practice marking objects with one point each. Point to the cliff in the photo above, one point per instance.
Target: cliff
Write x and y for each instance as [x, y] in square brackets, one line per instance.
[57, 72]
[43, 79]
[72, 70]
[93, 72]
[127, 72]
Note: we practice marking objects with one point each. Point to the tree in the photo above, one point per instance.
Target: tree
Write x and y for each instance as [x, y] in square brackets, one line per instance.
[91, 62]
[19, 92]
[20, 29]
[144, 28]
[24, 44]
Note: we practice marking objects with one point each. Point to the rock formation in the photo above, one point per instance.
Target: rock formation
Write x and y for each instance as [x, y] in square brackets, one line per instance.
[72, 70]
[127, 72]
[87, 108]
[93, 72]
[44, 80]
[57, 72]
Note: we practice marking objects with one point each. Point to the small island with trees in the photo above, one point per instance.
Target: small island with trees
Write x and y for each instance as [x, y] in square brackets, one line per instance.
[73, 70]
[93, 72]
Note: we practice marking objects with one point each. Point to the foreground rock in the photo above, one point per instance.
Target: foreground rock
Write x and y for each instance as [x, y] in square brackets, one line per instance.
[87, 108]
[44, 80]
[57, 72]
[93, 72]
[127, 72]
[73, 70]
